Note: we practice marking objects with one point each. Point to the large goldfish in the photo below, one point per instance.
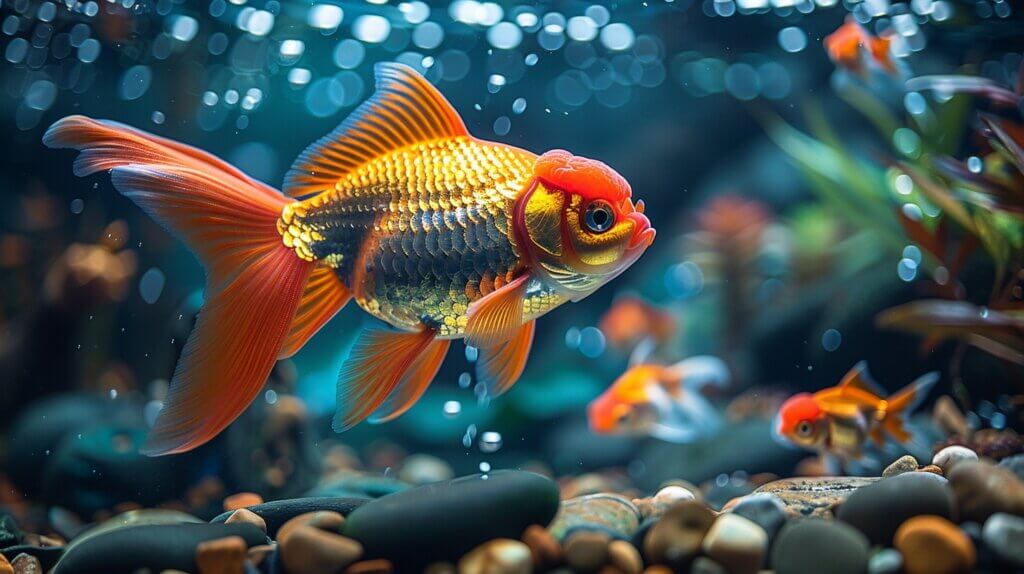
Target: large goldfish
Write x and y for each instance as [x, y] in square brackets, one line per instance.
[441, 235]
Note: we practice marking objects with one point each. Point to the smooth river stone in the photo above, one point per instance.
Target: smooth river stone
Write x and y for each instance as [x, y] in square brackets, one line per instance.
[815, 546]
[612, 514]
[813, 496]
[277, 512]
[879, 509]
[445, 520]
[155, 547]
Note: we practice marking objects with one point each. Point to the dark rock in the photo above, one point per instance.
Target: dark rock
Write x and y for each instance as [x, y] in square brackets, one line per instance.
[609, 513]
[278, 512]
[444, 520]
[815, 496]
[1004, 536]
[983, 489]
[765, 510]
[813, 546]
[155, 547]
[878, 509]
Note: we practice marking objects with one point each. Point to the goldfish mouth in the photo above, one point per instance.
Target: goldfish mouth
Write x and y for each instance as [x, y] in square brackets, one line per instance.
[643, 233]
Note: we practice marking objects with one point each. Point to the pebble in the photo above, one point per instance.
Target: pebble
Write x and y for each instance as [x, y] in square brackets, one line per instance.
[1015, 464]
[677, 537]
[983, 489]
[950, 456]
[813, 496]
[705, 565]
[655, 506]
[814, 546]
[5, 566]
[498, 556]
[245, 515]
[586, 551]
[257, 554]
[765, 510]
[625, 557]
[885, 561]
[737, 543]
[903, 464]
[378, 566]
[242, 500]
[26, 564]
[221, 556]
[546, 551]
[1004, 536]
[931, 469]
[324, 520]
[276, 512]
[933, 545]
[612, 514]
[878, 509]
[307, 549]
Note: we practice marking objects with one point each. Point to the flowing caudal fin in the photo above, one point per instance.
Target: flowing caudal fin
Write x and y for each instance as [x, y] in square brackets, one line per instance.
[902, 404]
[323, 297]
[376, 365]
[414, 382]
[499, 367]
[254, 283]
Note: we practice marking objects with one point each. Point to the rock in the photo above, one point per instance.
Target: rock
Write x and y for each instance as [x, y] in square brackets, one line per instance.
[813, 496]
[931, 469]
[244, 515]
[420, 469]
[705, 565]
[676, 538]
[586, 551]
[885, 561]
[878, 509]
[498, 556]
[950, 456]
[152, 546]
[546, 551]
[5, 566]
[26, 564]
[765, 510]
[221, 556]
[310, 550]
[379, 566]
[323, 519]
[737, 543]
[1014, 464]
[609, 513]
[655, 506]
[933, 545]
[444, 520]
[242, 500]
[814, 546]
[983, 489]
[905, 463]
[141, 517]
[277, 512]
[1004, 536]
[625, 557]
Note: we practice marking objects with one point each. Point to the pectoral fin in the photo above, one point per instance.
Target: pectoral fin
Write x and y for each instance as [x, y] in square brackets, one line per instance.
[498, 316]
[498, 368]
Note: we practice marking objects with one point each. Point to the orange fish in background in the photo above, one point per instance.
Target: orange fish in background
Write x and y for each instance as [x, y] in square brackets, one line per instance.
[839, 420]
[664, 402]
[440, 235]
[631, 319]
[851, 44]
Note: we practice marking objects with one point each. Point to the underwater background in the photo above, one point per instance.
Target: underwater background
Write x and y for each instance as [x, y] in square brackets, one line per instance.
[832, 182]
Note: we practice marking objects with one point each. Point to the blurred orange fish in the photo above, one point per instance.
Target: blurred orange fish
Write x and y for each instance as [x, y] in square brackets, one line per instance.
[851, 44]
[839, 420]
[661, 401]
[440, 235]
[630, 320]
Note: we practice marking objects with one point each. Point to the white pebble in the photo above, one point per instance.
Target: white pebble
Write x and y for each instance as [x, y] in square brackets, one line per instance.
[950, 456]
[673, 493]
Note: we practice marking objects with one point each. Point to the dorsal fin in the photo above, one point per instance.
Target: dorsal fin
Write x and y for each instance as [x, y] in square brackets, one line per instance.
[860, 378]
[405, 109]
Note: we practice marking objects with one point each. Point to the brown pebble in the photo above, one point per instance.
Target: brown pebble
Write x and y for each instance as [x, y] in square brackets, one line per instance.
[498, 556]
[440, 568]
[324, 520]
[308, 550]
[587, 551]
[983, 489]
[905, 463]
[246, 516]
[934, 545]
[242, 500]
[931, 468]
[546, 551]
[625, 557]
[221, 556]
[257, 554]
[26, 564]
[380, 566]
[5, 566]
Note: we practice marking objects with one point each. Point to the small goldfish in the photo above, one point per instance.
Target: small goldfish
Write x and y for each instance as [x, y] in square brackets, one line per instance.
[631, 320]
[659, 401]
[839, 420]
[851, 45]
[438, 234]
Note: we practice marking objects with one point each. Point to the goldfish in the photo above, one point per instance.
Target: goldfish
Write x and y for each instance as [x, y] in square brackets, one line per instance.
[437, 234]
[851, 45]
[840, 420]
[631, 320]
[664, 402]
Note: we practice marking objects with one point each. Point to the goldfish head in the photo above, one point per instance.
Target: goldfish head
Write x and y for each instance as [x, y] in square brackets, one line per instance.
[626, 407]
[577, 224]
[802, 421]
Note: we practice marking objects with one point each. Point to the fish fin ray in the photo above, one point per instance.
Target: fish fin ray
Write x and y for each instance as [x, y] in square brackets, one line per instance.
[860, 378]
[498, 316]
[499, 367]
[414, 382]
[405, 109]
[322, 298]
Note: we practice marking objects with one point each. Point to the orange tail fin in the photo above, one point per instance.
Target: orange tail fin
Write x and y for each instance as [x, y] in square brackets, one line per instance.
[254, 283]
[903, 402]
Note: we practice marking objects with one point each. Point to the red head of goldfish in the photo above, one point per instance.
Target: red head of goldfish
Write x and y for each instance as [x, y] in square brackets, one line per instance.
[577, 225]
[800, 420]
[625, 407]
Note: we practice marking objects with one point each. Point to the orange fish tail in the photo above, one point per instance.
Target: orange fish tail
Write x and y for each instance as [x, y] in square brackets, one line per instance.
[902, 403]
[255, 284]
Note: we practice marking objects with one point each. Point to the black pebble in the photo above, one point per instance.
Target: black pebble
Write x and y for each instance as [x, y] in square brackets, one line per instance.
[878, 509]
[814, 546]
[277, 512]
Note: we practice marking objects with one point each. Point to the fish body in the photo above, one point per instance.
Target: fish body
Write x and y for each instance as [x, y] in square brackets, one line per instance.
[661, 401]
[841, 420]
[853, 47]
[438, 234]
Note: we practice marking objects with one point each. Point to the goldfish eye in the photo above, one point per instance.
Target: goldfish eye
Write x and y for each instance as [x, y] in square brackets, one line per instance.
[599, 216]
[804, 428]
